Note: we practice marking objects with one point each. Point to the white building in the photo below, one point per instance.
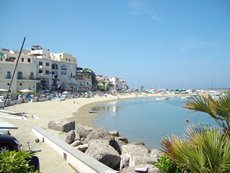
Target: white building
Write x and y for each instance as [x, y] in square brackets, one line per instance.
[25, 74]
[38, 69]
[116, 84]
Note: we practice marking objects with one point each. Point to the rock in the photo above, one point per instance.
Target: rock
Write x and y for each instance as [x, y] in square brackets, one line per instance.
[76, 143]
[82, 148]
[128, 170]
[131, 150]
[122, 139]
[114, 133]
[141, 160]
[149, 167]
[138, 143]
[77, 136]
[141, 169]
[117, 144]
[63, 126]
[103, 152]
[70, 137]
[155, 153]
[83, 131]
[134, 150]
[100, 133]
[153, 170]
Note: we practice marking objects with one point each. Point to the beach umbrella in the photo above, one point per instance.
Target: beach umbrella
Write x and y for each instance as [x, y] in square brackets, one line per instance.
[26, 91]
[3, 90]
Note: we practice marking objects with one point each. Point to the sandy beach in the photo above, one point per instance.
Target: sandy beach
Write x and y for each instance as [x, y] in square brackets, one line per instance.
[74, 109]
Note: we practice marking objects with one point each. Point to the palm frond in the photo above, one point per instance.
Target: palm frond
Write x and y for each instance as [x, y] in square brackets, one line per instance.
[218, 109]
[204, 152]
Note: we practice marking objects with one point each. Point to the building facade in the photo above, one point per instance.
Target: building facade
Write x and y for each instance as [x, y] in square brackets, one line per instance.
[38, 69]
[25, 74]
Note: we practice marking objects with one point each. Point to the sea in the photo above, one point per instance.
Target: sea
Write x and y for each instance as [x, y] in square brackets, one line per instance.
[149, 119]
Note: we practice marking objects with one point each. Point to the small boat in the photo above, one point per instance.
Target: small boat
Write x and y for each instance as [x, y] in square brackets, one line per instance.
[92, 112]
[161, 98]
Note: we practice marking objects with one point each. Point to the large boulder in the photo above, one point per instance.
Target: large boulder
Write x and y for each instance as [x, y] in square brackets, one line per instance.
[141, 160]
[101, 150]
[77, 136]
[83, 131]
[148, 168]
[63, 126]
[117, 144]
[82, 147]
[100, 133]
[155, 153]
[128, 170]
[122, 139]
[153, 170]
[131, 150]
[76, 143]
[114, 133]
[70, 137]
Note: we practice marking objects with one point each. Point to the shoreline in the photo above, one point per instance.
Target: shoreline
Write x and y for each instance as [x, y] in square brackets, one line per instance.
[71, 109]
[83, 117]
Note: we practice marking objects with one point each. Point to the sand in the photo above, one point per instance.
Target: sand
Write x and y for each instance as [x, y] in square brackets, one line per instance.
[50, 161]
[74, 109]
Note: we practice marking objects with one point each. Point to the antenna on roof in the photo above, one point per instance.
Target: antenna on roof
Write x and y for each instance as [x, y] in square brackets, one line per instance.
[7, 94]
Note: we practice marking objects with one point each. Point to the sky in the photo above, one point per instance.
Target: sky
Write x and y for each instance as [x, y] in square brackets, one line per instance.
[150, 43]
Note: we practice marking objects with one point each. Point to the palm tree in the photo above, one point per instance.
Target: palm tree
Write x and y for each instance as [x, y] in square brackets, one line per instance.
[218, 109]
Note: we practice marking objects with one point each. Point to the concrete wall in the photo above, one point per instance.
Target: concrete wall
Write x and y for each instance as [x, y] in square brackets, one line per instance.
[78, 160]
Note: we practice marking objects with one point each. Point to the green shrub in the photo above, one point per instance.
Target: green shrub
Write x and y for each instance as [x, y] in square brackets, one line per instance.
[166, 165]
[200, 152]
[15, 162]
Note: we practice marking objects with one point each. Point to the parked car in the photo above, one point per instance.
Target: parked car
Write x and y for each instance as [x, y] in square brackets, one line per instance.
[8, 142]
[4, 132]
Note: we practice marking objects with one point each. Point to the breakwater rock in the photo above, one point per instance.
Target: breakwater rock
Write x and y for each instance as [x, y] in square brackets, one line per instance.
[113, 150]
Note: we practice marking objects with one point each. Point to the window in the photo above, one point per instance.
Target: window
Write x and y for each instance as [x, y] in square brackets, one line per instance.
[28, 60]
[20, 84]
[47, 64]
[63, 69]
[20, 75]
[40, 63]
[11, 59]
[40, 71]
[54, 66]
[22, 59]
[47, 72]
[8, 75]
[31, 76]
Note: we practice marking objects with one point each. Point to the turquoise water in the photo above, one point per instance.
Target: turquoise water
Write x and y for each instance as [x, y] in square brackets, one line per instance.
[147, 119]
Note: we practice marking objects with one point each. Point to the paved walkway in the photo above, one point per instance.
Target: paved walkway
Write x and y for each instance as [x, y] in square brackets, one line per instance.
[50, 161]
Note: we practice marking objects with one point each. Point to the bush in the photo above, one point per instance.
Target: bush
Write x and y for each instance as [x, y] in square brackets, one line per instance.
[205, 151]
[166, 165]
[15, 162]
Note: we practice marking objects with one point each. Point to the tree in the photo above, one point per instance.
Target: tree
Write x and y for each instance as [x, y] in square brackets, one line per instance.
[218, 109]
[91, 73]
